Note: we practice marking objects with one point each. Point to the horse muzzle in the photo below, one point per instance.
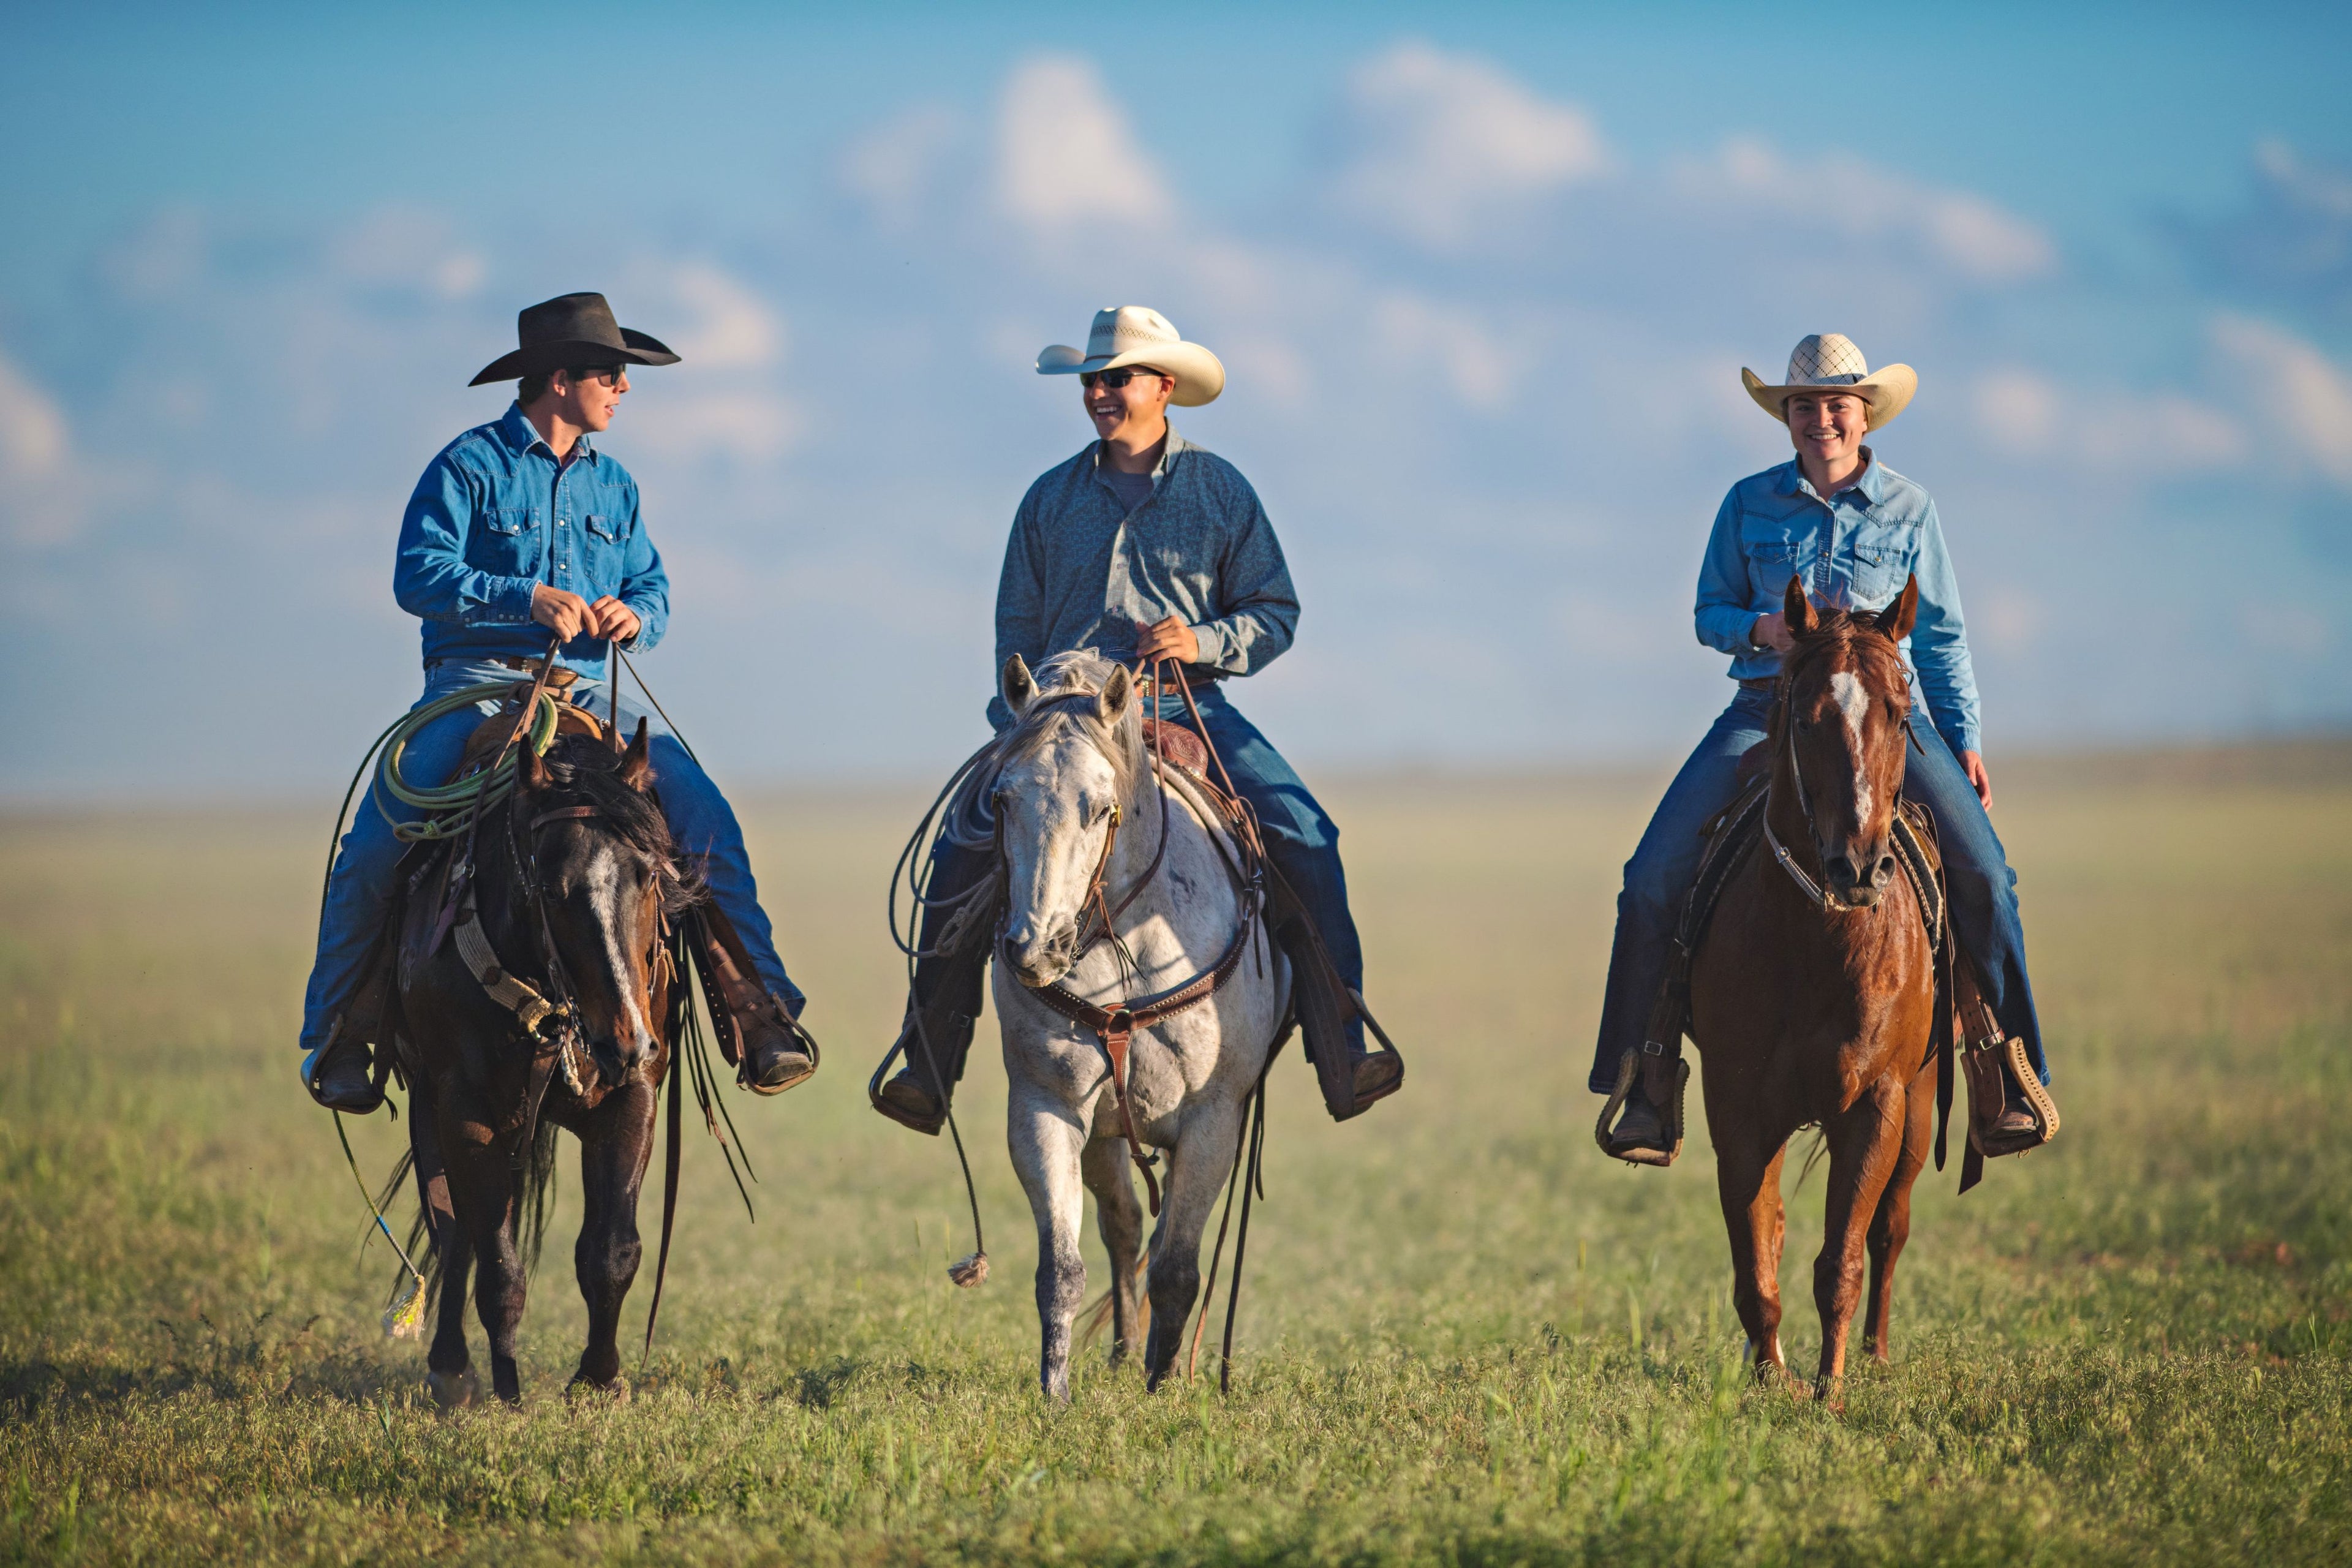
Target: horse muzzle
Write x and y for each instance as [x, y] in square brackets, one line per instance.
[1856, 875]
[1039, 959]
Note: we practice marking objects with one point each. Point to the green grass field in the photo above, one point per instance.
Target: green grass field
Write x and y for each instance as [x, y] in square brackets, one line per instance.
[1468, 1337]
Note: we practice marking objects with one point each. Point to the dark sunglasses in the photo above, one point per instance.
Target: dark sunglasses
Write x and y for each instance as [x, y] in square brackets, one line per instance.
[610, 375]
[1115, 378]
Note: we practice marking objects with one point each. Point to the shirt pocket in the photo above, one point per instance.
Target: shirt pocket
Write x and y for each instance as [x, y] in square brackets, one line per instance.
[1775, 554]
[1885, 552]
[605, 536]
[510, 542]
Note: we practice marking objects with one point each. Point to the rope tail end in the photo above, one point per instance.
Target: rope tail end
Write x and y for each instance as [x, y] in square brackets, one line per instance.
[969, 1271]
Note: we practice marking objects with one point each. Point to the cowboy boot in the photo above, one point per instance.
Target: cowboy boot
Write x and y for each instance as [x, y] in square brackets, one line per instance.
[1352, 1077]
[773, 1051]
[340, 1074]
[1640, 1135]
[942, 1009]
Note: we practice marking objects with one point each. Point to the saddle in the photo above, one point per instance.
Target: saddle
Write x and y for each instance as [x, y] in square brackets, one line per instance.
[1964, 1025]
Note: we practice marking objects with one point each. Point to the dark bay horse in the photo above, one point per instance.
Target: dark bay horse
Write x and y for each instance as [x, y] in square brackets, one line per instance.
[552, 1010]
[1820, 1009]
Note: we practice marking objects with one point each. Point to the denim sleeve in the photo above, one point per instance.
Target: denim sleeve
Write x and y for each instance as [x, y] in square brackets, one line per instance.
[1261, 608]
[1020, 605]
[645, 583]
[1724, 613]
[1939, 644]
[431, 578]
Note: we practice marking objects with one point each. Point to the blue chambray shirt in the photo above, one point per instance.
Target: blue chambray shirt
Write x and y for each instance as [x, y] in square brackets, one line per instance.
[495, 516]
[1081, 570]
[1854, 551]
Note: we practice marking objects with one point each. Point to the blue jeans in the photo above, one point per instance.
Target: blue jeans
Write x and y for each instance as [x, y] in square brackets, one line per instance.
[361, 889]
[1300, 839]
[1983, 887]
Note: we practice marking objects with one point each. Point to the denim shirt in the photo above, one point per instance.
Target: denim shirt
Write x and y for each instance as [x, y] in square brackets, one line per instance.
[495, 516]
[1083, 570]
[1854, 551]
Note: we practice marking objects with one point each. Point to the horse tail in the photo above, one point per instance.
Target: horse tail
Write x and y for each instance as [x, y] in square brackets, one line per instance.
[1095, 1316]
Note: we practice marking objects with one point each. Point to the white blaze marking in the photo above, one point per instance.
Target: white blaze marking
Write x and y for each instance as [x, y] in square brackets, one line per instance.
[1846, 691]
[604, 897]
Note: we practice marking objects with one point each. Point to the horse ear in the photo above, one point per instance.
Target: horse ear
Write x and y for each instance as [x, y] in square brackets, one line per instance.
[637, 765]
[1798, 610]
[532, 771]
[1897, 619]
[1116, 692]
[1017, 684]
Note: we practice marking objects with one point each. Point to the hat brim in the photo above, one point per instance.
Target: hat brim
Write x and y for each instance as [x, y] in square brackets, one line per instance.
[1200, 374]
[540, 358]
[1884, 392]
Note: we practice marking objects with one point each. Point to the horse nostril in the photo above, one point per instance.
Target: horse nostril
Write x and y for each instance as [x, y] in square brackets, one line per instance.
[1840, 869]
[1885, 869]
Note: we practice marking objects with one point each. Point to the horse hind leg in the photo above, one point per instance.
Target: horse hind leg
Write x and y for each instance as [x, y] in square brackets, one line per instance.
[1197, 1170]
[1891, 1226]
[1119, 1216]
[1866, 1140]
[1747, 1181]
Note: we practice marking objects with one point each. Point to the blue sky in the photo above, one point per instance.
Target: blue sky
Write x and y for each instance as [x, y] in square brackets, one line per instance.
[1483, 278]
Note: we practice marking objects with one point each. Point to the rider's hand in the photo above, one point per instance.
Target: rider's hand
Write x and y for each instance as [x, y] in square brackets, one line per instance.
[1771, 631]
[614, 620]
[561, 610]
[1172, 638]
[1979, 775]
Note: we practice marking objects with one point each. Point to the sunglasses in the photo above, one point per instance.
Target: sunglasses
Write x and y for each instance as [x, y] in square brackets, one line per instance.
[1115, 378]
[610, 375]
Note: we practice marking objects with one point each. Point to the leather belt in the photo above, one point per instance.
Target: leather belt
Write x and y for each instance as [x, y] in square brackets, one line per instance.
[1761, 683]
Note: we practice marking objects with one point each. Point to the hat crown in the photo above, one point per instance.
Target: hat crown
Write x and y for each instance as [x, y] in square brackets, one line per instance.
[1826, 359]
[1123, 328]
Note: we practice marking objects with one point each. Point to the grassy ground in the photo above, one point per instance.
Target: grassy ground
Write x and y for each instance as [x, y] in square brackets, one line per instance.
[1468, 1337]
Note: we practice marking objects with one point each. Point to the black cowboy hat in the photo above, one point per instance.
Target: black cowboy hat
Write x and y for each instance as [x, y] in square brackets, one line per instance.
[572, 330]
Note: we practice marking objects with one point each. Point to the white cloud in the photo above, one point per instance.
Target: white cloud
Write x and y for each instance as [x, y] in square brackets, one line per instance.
[2026, 414]
[1420, 334]
[732, 327]
[892, 169]
[1965, 233]
[1442, 145]
[407, 247]
[2305, 397]
[1065, 153]
[753, 428]
[40, 489]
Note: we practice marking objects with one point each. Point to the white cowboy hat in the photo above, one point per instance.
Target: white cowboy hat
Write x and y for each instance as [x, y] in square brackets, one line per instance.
[1829, 360]
[1135, 335]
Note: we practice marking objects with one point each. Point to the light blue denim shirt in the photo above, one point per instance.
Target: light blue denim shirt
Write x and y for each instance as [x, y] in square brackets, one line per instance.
[1083, 570]
[1854, 551]
[495, 516]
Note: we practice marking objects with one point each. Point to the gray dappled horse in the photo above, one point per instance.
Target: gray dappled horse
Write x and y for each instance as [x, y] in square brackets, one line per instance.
[1072, 770]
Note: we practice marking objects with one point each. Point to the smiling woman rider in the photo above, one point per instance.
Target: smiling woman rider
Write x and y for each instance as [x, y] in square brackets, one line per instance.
[1853, 531]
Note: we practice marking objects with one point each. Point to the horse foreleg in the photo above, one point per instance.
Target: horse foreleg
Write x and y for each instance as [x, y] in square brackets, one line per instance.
[1198, 1166]
[1119, 1216]
[449, 1371]
[617, 1140]
[1747, 1181]
[1864, 1141]
[1890, 1227]
[483, 1189]
[1046, 1138]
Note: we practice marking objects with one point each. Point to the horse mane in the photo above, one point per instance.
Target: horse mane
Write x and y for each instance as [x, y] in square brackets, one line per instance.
[1078, 670]
[587, 767]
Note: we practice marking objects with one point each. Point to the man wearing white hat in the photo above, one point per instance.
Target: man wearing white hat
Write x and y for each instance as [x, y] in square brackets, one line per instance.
[1145, 546]
[1855, 531]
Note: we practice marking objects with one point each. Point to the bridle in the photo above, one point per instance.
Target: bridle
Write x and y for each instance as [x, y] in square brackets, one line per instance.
[1784, 703]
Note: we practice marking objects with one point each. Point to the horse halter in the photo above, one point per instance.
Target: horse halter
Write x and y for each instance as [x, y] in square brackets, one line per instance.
[1823, 899]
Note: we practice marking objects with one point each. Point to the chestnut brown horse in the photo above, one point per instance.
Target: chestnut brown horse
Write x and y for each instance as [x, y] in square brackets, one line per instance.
[1815, 1004]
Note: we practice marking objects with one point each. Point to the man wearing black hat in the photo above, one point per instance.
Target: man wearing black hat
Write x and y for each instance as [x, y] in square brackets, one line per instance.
[522, 528]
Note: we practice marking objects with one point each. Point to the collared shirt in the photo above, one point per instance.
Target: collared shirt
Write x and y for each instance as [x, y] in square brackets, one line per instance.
[1083, 570]
[495, 516]
[1854, 551]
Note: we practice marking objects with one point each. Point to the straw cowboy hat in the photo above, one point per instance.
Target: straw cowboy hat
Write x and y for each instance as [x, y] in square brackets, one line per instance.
[572, 330]
[1828, 361]
[1133, 334]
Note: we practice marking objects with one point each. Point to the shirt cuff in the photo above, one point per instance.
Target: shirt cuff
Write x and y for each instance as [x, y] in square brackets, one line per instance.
[507, 602]
[1214, 646]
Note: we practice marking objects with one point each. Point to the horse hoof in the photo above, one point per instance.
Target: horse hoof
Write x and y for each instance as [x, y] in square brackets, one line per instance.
[615, 1392]
[454, 1390]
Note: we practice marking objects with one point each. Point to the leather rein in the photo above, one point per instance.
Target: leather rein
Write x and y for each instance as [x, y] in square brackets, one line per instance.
[1114, 1026]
